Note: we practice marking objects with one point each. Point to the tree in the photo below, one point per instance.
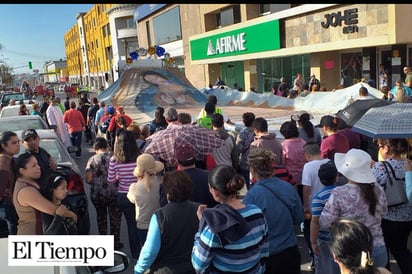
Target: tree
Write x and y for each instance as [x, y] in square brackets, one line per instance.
[6, 74]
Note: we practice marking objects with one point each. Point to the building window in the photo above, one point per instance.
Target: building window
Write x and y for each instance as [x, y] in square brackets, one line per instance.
[97, 43]
[228, 16]
[172, 32]
[266, 9]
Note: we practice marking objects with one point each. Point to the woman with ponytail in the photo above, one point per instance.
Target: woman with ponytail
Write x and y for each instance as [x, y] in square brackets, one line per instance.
[232, 236]
[351, 246]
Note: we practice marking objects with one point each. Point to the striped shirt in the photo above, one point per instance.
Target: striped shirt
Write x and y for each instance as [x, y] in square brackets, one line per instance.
[318, 203]
[122, 172]
[243, 255]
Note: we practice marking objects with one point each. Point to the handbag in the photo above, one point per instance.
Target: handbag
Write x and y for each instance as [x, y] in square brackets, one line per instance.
[395, 188]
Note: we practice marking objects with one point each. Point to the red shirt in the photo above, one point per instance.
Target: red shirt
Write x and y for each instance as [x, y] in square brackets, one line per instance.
[113, 125]
[74, 120]
[332, 144]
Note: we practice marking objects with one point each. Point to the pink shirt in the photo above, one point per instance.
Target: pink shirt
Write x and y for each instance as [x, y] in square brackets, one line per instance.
[74, 120]
[294, 157]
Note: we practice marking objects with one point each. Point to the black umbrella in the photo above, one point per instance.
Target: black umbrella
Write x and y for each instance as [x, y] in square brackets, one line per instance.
[353, 112]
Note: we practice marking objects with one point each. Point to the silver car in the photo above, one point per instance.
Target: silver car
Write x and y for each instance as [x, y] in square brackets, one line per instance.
[23, 122]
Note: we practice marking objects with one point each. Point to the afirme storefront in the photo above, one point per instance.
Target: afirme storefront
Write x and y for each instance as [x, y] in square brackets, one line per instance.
[354, 39]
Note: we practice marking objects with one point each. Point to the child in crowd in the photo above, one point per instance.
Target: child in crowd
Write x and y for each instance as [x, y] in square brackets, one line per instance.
[319, 237]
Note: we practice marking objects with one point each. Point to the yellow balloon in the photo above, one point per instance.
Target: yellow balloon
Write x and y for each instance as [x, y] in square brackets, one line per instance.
[151, 50]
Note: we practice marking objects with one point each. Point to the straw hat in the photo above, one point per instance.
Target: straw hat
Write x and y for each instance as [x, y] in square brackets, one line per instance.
[146, 163]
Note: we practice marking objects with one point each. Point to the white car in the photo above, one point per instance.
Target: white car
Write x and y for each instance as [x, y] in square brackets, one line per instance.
[13, 110]
[22, 122]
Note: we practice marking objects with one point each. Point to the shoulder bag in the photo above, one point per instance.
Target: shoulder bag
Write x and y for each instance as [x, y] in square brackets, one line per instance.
[395, 188]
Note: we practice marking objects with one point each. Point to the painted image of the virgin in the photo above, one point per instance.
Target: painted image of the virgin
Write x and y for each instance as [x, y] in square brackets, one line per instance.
[162, 88]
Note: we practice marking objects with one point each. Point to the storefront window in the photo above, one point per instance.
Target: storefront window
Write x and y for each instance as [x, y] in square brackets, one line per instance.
[351, 63]
[271, 70]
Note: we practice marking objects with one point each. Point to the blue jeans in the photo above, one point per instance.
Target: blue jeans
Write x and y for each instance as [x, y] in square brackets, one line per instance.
[129, 211]
[76, 138]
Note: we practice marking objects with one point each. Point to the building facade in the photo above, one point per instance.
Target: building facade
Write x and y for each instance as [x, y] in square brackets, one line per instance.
[251, 45]
[254, 45]
[101, 37]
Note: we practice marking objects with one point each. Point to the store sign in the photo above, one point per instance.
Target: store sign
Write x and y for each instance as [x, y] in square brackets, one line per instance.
[257, 38]
[349, 19]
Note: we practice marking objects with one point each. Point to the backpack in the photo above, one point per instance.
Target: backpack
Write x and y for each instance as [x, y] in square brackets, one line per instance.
[395, 188]
[105, 125]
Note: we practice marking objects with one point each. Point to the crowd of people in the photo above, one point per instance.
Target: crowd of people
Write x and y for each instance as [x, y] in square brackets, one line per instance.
[232, 209]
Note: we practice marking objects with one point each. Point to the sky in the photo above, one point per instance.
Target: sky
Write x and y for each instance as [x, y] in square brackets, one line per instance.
[35, 32]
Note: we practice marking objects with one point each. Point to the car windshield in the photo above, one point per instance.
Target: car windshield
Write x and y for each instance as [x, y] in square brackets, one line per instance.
[15, 96]
[22, 124]
[54, 149]
[14, 111]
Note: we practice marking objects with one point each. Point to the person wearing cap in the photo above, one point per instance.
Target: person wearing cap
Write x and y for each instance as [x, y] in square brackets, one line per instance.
[113, 125]
[362, 198]
[333, 141]
[172, 228]
[314, 84]
[145, 193]
[47, 163]
[185, 156]
[320, 238]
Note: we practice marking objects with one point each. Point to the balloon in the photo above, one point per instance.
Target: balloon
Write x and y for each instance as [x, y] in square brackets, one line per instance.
[134, 55]
[160, 51]
[129, 60]
[142, 51]
[167, 55]
[151, 50]
[170, 61]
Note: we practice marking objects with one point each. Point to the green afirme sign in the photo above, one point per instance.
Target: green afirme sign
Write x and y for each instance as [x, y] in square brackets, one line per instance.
[257, 38]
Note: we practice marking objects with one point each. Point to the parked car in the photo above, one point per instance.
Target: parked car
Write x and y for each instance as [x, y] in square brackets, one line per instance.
[68, 168]
[9, 111]
[121, 263]
[17, 96]
[22, 122]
